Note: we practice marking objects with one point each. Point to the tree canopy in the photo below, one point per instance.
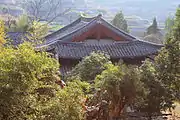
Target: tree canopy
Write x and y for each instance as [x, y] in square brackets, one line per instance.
[37, 32]
[168, 61]
[28, 88]
[158, 97]
[28, 78]
[2, 33]
[22, 24]
[118, 85]
[169, 23]
[90, 66]
[34, 31]
[120, 22]
[153, 29]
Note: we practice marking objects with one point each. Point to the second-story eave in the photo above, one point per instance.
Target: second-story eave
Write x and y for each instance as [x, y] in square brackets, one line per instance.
[82, 25]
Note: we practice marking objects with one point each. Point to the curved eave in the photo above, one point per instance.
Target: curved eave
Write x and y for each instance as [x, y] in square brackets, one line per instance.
[69, 26]
[52, 38]
[132, 49]
[68, 38]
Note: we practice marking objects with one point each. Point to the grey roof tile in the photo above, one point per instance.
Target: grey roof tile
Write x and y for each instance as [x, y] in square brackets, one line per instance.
[80, 26]
[16, 38]
[115, 50]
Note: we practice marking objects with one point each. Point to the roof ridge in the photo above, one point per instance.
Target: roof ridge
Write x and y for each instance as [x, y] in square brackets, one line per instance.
[81, 18]
[88, 18]
[65, 27]
[80, 27]
[91, 21]
[97, 18]
[57, 40]
[76, 21]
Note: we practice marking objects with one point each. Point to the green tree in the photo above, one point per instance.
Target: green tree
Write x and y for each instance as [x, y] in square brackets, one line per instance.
[169, 23]
[153, 29]
[2, 33]
[90, 66]
[28, 89]
[22, 24]
[37, 32]
[168, 61]
[120, 22]
[158, 97]
[67, 105]
[22, 71]
[119, 85]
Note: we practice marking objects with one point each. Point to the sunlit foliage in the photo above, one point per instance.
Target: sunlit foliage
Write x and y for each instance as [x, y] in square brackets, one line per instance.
[2, 33]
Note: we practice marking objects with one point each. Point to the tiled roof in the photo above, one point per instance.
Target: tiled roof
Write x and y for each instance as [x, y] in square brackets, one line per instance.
[80, 26]
[16, 38]
[68, 29]
[129, 49]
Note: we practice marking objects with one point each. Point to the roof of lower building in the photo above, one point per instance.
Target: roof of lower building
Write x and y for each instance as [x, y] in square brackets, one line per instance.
[65, 47]
[16, 38]
[115, 50]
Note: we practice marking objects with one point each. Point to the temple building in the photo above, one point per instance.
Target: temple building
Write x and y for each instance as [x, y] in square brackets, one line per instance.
[86, 35]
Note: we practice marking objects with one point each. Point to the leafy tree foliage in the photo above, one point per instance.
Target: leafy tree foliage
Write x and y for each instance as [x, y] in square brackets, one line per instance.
[153, 33]
[120, 22]
[158, 97]
[2, 33]
[161, 79]
[67, 105]
[20, 73]
[119, 85]
[34, 31]
[37, 32]
[153, 29]
[23, 24]
[28, 89]
[90, 66]
[168, 61]
[169, 24]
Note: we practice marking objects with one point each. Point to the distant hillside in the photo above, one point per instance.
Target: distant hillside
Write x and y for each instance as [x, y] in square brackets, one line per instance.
[146, 9]
[139, 13]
